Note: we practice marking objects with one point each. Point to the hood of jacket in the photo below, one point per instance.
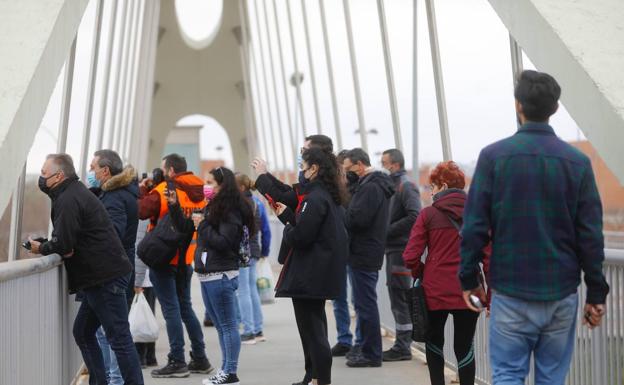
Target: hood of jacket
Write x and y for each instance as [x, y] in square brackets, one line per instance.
[125, 179]
[451, 202]
[191, 184]
[383, 180]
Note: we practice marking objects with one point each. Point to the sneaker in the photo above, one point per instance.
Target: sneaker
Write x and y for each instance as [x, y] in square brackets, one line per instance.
[393, 355]
[260, 337]
[210, 380]
[151, 362]
[248, 339]
[173, 369]
[340, 350]
[225, 379]
[201, 365]
[362, 362]
[355, 351]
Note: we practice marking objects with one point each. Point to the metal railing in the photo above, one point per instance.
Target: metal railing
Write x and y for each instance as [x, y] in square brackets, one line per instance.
[36, 315]
[598, 355]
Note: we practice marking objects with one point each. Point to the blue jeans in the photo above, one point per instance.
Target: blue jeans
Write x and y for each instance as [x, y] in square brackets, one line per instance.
[249, 299]
[174, 294]
[110, 360]
[222, 306]
[343, 317]
[364, 285]
[105, 305]
[519, 329]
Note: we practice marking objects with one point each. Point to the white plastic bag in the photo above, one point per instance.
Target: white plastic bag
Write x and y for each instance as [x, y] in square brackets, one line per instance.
[143, 325]
[265, 281]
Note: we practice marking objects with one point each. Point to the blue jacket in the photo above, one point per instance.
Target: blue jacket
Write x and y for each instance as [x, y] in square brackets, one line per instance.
[261, 247]
[119, 196]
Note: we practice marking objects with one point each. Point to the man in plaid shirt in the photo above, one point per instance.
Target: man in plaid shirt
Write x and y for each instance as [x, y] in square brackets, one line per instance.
[535, 198]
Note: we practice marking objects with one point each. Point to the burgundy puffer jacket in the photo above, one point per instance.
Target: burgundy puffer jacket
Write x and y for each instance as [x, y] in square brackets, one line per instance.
[435, 231]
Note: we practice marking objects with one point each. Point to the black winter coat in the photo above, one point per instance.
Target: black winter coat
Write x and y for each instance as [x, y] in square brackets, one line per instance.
[221, 244]
[280, 192]
[314, 247]
[367, 221]
[83, 227]
[404, 208]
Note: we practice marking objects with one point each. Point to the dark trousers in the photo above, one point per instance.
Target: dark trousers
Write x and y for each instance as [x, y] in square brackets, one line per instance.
[399, 281]
[365, 302]
[173, 291]
[105, 305]
[147, 351]
[312, 325]
[464, 325]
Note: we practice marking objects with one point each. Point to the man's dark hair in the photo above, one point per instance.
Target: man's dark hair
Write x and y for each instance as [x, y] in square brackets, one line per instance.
[110, 159]
[396, 156]
[538, 93]
[341, 156]
[64, 163]
[358, 155]
[178, 162]
[321, 141]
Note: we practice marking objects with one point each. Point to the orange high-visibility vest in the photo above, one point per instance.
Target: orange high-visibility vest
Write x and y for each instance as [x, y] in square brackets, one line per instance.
[187, 206]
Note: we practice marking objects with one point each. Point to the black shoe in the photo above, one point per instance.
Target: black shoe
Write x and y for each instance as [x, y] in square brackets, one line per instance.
[208, 323]
[150, 363]
[260, 337]
[174, 369]
[392, 355]
[362, 362]
[143, 362]
[223, 379]
[355, 351]
[340, 350]
[306, 381]
[201, 365]
[248, 339]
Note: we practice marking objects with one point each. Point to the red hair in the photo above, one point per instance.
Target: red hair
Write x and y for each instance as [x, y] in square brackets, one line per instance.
[448, 173]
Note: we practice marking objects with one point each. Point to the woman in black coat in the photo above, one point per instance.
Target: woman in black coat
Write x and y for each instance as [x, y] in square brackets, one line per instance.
[314, 255]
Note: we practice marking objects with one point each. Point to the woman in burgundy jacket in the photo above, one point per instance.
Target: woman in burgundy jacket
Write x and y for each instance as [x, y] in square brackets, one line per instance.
[437, 230]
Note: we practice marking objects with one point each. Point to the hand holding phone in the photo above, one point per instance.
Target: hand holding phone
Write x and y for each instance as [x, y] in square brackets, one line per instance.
[272, 203]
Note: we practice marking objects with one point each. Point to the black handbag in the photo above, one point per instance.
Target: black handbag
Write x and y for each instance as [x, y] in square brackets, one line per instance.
[418, 312]
[160, 245]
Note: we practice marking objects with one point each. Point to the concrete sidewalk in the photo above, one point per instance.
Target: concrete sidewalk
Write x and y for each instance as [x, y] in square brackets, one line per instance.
[280, 359]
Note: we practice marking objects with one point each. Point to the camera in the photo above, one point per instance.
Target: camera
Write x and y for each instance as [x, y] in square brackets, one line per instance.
[28, 246]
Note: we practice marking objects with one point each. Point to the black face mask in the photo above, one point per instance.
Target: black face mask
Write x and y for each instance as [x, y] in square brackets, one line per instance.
[352, 177]
[43, 184]
[302, 179]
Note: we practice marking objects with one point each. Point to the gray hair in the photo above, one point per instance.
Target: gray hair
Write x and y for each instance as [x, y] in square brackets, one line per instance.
[110, 159]
[64, 164]
[358, 155]
[396, 156]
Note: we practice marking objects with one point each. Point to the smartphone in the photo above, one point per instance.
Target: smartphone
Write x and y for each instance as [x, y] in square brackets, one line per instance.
[144, 176]
[476, 302]
[28, 246]
[271, 201]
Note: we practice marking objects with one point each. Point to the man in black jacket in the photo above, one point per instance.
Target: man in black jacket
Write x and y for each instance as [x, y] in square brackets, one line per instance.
[404, 208]
[367, 223]
[96, 265]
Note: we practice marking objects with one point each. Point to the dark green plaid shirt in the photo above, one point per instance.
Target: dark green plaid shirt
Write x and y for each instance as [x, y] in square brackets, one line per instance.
[535, 198]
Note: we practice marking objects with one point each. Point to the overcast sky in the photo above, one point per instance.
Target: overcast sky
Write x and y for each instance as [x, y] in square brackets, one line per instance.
[474, 47]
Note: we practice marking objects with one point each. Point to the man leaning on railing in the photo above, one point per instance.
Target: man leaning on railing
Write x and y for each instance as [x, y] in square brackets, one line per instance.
[96, 264]
[534, 196]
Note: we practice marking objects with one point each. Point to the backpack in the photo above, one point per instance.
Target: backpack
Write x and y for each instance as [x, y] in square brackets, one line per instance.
[244, 249]
[160, 245]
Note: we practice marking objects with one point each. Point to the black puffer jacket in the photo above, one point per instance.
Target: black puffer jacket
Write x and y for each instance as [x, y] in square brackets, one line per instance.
[367, 221]
[221, 244]
[83, 227]
[404, 208]
[314, 247]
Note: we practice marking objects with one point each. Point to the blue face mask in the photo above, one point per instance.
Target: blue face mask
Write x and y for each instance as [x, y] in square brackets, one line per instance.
[299, 160]
[92, 181]
[302, 179]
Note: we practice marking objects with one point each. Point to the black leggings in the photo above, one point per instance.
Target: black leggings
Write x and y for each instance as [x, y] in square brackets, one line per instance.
[464, 325]
[312, 325]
